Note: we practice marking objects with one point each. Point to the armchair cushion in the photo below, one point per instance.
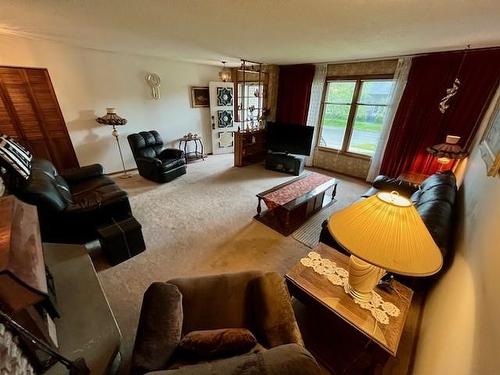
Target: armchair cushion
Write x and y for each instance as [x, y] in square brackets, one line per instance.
[214, 302]
[289, 359]
[168, 164]
[159, 331]
[78, 174]
[274, 316]
[217, 343]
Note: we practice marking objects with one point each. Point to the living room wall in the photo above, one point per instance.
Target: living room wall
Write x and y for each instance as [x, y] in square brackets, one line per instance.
[460, 330]
[87, 81]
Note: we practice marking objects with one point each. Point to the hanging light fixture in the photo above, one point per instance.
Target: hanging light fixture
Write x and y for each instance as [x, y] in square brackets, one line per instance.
[225, 73]
[452, 91]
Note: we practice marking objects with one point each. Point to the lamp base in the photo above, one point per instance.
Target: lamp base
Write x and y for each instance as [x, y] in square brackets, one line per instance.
[363, 278]
[125, 176]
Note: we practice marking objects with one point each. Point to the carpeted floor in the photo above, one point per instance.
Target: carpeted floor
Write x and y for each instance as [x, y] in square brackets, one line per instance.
[201, 223]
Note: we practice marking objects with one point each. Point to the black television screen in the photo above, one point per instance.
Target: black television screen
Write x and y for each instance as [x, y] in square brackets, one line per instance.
[293, 139]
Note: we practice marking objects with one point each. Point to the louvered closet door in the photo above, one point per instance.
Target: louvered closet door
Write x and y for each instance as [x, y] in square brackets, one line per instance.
[35, 117]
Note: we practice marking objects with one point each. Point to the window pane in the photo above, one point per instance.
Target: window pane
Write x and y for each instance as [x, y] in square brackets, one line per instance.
[340, 91]
[366, 129]
[334, 125]
[375, 91]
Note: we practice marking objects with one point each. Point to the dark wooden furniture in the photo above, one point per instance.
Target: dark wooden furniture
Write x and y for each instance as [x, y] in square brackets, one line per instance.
[30, 112]
[356, 336]
[192, 155]
[249, 147]
[22, 271]
[286, 218]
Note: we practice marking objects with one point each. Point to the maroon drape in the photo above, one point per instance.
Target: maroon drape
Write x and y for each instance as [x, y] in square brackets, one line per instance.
[294, 92]
[418, 123]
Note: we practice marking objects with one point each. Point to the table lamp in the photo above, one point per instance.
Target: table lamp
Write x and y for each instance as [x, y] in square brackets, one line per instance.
[383, 233]
[450, 150]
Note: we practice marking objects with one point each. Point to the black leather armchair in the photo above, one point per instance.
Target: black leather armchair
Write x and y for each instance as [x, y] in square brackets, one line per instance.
[154, 162]
[71, 205]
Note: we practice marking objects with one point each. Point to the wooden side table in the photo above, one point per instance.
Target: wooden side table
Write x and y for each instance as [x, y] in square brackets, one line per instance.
[413, 178]
[330, 301]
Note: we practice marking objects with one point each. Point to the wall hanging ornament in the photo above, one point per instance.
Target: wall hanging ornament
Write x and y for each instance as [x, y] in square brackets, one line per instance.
[154, 81]
[452, 91]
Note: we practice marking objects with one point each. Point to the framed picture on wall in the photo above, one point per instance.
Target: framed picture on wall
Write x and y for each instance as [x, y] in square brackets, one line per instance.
[199, 97]
[490, 144]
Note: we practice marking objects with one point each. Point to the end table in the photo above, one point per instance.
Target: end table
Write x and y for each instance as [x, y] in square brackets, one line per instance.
[331, 302]
[192, 155]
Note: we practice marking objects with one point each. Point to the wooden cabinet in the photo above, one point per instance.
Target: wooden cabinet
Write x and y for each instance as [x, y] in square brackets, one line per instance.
[249, 147]
[29, 112]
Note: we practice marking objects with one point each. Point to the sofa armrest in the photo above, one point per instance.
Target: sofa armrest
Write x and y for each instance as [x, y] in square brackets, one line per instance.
[274, 317]
[78, 174]
[159, 330]
[171, 153]
[401, 186]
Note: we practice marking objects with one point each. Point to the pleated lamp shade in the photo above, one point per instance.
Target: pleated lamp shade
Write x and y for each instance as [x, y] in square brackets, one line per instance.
[386, 230]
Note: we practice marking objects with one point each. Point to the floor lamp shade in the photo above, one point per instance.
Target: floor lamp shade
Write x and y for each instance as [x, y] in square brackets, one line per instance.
[386, 231]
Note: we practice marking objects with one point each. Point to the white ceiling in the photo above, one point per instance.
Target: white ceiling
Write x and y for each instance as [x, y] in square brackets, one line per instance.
[272, 31]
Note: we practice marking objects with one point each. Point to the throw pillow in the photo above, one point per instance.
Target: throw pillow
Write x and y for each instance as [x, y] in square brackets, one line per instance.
[217, 343]
[15, 157]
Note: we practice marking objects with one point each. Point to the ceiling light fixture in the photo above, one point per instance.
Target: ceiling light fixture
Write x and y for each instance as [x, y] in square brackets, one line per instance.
[225, 73]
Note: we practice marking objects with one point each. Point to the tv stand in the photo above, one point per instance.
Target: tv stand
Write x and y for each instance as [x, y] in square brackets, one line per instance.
[285, 162]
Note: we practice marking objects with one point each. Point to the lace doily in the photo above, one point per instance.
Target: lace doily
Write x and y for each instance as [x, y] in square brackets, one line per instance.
[380, 309]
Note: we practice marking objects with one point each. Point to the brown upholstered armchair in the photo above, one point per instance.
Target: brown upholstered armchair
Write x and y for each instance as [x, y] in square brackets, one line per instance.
[253, 300]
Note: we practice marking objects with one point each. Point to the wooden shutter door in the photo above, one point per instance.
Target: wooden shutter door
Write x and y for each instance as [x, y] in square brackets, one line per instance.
[34, 113]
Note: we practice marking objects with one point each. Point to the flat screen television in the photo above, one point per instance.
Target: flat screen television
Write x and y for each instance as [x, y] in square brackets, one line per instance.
[292, 139]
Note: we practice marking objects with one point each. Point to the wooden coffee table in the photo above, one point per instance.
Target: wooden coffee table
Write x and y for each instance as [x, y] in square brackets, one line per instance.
[345, 338]
[288, 217]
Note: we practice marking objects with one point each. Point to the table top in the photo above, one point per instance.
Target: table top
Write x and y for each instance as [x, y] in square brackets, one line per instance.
[413, 178]
[336, 300]
[304, 197]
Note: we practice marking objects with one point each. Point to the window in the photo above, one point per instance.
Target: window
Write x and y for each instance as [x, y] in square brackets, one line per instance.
[353, 114]
[249, 99]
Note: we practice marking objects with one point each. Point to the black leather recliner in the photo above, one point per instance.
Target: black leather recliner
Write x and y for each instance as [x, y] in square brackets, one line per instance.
[71, 205]
[154, 162]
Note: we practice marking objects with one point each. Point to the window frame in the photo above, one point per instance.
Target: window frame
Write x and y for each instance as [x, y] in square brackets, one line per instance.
[352, 111]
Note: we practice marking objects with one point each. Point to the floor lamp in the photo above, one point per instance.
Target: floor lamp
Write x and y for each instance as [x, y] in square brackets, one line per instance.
[112, 119]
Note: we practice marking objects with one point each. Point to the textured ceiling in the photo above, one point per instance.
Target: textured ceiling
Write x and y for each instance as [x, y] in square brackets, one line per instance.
[272, 31]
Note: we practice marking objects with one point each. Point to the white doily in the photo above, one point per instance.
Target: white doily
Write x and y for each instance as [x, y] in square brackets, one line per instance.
[380, 309]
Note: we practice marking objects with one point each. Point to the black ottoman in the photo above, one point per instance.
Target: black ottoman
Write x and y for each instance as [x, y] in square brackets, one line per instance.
[121, 239]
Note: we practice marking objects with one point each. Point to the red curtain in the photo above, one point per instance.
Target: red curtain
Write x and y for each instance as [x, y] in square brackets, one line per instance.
[419, 123]
[294, 92]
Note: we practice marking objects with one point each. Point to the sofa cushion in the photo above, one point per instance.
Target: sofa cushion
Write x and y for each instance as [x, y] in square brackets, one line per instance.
[97, 197]
[291, 359]
[217, 343]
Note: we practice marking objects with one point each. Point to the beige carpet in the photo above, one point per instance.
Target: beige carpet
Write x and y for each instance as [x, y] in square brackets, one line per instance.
[201, 223]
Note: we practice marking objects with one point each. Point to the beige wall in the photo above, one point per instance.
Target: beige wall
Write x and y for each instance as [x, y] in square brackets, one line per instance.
[460, 331]
[87, 81]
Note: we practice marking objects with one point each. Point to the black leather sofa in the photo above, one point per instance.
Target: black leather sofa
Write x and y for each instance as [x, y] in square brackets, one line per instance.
[434, 200]
[154, 162]
[71, 205]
